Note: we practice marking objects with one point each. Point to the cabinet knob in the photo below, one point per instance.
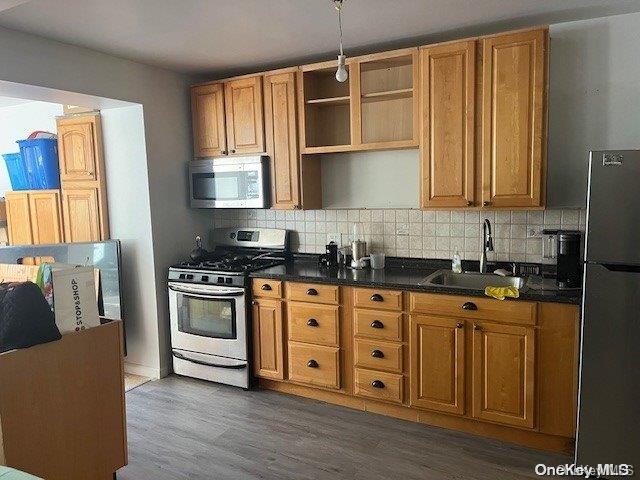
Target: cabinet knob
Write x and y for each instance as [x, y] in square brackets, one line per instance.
[224, 152]
[469, 306]
[486, 203]
[469, 203]
[377, 354]
[377, 324]
[477, 327]
[459, 325]
[233, 151]
[312, 364]
[377, 384]
[265, 287]
[376, 297]
[254, 302]
[312, 322]
[312, 292]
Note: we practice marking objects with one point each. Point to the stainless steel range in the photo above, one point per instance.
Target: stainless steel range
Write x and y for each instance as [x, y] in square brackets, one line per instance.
[208, 304]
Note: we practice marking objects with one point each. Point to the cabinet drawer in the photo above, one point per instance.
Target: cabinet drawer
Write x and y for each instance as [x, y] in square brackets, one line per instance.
[375, 324]
[379, 385]
[314, 365]
[474, 308]
[313, 323]
[312, 292]
[378, 299]
[378, 355]
[266, 288]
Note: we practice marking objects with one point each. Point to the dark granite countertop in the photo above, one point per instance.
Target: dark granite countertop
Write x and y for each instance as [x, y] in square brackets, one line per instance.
[399, 274]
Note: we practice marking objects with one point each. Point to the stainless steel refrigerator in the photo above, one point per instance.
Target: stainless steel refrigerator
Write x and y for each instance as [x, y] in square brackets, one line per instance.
[609, 393]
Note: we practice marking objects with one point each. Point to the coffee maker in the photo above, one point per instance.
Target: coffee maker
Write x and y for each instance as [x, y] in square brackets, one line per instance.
[567, 254]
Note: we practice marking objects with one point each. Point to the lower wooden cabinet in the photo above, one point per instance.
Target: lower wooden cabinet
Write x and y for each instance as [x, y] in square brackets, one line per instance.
[81, 215]
[33, 217]
[314, 365]
[503, 373]
[438, 363]
[504, 369]
[268, 351]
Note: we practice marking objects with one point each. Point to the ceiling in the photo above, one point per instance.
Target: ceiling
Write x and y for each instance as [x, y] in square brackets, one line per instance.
[233, 36]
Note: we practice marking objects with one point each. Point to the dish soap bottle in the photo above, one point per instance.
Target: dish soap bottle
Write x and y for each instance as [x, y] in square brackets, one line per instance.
[456, 263]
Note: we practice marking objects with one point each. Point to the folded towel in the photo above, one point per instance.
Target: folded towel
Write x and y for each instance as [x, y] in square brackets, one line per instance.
[502, 292]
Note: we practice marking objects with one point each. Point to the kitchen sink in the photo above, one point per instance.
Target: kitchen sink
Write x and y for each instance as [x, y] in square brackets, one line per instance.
[472, 280]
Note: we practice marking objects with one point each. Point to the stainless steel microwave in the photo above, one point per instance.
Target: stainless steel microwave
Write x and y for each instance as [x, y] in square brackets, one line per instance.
[229, 182]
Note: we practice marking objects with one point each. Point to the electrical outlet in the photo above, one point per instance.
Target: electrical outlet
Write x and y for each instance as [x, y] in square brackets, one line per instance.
[534, 233]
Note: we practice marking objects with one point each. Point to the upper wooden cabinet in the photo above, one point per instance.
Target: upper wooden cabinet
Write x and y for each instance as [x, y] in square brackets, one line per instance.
[513, 119]
[34, 217]
[448, 124]
[207, 110]
[375, 109]
[243, 107]
[79, 146]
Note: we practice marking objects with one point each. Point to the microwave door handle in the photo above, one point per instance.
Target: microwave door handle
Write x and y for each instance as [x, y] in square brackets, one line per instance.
[207, 296]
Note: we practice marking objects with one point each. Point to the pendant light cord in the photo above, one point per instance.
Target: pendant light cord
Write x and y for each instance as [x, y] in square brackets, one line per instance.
[338, 5]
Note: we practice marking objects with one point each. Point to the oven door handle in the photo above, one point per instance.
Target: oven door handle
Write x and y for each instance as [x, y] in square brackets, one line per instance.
[238, 366]
[204, 294]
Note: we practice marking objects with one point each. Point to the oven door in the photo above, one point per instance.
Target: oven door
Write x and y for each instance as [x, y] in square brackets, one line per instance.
[208, 319]
[228, 183]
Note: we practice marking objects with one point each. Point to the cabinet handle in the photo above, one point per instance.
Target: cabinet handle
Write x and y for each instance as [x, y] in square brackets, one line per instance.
[376, 297]
[224, 152]
[312, 364]
[377, 324]
[254, 302]
[469, 306]
[266, 287]
[477, 327]
[469, 203]
[233, 151]
[312, 322]
[312, 291]
[377, 384]
[486, 203]
[459, 325]
[377, 354]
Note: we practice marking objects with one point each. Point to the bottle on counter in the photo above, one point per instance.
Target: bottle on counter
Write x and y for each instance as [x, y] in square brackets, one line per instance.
[456, 263]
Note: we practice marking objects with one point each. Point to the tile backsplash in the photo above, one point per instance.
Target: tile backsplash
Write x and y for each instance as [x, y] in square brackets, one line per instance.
[414, 233]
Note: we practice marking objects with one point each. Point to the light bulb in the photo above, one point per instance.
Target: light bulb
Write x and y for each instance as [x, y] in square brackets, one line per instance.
[341, 74]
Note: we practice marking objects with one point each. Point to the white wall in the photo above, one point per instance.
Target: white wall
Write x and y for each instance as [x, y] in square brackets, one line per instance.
[168, 236]
[594, 98]
[389, 179]
[17, 122]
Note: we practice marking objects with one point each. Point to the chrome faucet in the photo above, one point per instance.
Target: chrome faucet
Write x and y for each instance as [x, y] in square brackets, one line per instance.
[487, 244]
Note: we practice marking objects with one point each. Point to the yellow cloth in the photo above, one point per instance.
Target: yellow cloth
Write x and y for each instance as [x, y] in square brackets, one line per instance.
[502, 292]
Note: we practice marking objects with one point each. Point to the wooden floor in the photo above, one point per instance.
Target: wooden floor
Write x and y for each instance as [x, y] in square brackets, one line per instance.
[181, 428]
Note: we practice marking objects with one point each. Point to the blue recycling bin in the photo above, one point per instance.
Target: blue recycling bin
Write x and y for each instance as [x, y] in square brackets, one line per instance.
[40, 157]
[17, 171]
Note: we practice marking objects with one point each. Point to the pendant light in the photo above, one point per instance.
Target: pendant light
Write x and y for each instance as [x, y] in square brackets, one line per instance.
[341, 74]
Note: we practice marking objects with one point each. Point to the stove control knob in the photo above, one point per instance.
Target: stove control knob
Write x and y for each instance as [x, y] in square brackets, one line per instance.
[182, 276]
[220, 279]
[205, 278]
[189, 277]
[229, 280]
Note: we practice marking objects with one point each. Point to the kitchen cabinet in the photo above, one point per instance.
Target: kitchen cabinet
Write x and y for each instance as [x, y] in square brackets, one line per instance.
[438, 363]
[207, 110]
[34, 217]
[503, 373]
[448, 130]
[81, 213]
[295, 179]
[244, 118]
[502, 369]
[79, 146]
[268, 339]
[82, 178]
[513, 119]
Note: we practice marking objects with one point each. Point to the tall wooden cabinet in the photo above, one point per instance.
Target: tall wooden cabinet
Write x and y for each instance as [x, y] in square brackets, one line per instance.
[82, 176]
[34, 217]
[513, 118]
[448, 124]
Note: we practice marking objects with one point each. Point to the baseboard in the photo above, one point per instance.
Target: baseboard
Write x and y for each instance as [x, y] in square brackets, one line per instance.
[135, 369]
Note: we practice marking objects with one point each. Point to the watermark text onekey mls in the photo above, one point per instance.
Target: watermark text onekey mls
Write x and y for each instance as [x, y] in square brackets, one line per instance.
[587, 471]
